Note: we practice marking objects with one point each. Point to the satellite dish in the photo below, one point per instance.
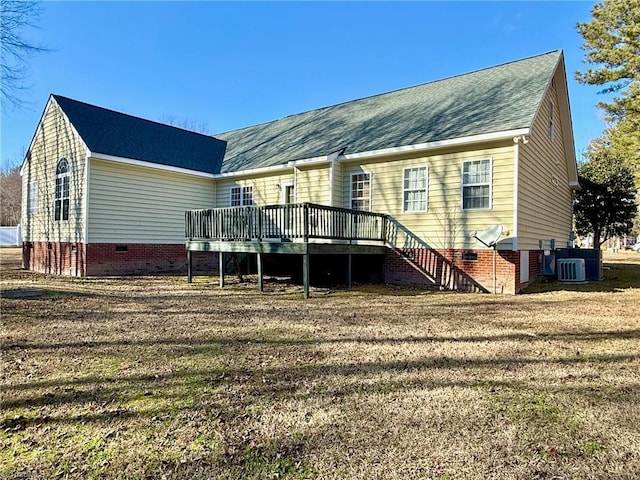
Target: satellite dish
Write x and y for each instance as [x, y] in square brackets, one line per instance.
[489, 236]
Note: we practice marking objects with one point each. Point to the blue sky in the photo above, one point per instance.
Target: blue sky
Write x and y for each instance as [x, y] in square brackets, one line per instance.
[231, 65]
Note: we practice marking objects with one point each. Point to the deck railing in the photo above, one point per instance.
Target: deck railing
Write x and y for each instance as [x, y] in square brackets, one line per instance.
[285, 222]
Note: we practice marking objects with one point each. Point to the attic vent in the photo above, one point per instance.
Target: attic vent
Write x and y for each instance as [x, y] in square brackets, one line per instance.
[571, 270]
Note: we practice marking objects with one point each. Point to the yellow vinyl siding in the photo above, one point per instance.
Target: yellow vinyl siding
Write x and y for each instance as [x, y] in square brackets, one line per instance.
[54, 139]
[130, 204]
[267, 189]
[544, 197]
[444, 224]
[337, 185]
[312, 184]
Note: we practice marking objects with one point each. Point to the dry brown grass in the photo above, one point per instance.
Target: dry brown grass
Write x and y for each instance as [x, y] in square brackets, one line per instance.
[152, 377]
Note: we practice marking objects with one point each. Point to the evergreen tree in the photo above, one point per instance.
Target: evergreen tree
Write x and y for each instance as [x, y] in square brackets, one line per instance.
[605, 205]
[612, 42]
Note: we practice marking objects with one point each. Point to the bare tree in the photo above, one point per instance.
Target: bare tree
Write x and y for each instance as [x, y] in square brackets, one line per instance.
[185, 123]
[10, 196]
[16, 16]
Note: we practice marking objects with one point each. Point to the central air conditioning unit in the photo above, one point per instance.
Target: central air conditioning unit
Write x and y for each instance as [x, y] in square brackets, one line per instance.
[570, 269]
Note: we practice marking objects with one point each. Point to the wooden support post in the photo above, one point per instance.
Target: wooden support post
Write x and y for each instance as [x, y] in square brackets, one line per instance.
[189, 267]
[305, 215]
[349, 271]
[259, 265]
[221, 268]
[305, 274]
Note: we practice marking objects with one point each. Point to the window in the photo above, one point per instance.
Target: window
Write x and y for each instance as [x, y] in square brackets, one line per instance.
[61, 201]
[361, 191]
[414, 189]
[470, 257]
[33, 198]
[247, 195]
[476, 184]
[241, 196]
[550, 120]
[289, 194]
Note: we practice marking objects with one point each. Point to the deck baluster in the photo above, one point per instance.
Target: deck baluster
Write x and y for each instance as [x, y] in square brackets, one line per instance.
[292, 221]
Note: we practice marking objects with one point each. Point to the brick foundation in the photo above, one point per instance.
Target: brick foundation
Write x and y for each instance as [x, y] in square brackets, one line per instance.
[57, 258]
[535, 269]
[463, 270]
[103, 259]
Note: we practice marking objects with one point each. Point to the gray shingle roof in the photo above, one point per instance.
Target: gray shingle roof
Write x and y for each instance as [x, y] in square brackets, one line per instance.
[121, 135]
[500, 98]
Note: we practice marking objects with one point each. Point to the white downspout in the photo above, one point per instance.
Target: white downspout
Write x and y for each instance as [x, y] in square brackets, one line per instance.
[332, 166]
[87, 173]
[333, 158]
[516, 161]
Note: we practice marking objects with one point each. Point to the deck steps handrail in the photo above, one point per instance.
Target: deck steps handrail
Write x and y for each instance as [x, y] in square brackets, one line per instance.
[285, 222]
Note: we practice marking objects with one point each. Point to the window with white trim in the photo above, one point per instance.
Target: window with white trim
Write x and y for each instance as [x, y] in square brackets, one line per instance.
[476, 184]
[61, 194]
[551, 125]
[241, 196]
[414, 189]
[32, 205]
[361, 191]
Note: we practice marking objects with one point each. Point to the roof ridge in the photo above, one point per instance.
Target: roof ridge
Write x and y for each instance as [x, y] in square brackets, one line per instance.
[56, 96]
[391, 91]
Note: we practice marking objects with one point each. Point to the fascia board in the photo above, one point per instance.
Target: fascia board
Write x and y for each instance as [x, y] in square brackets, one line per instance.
[565, 118]
[418, 147]
[310, 161]
[255, 171]
[562, 90]
[50, 103]
[33, 138]
[333, 156]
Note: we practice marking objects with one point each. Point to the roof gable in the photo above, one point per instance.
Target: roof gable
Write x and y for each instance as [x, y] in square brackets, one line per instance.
[120, 135]
[501, 98]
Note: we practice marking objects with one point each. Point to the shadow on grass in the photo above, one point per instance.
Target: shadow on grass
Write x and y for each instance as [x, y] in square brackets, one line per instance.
[43, 293]
[215, 344]
[290, 382]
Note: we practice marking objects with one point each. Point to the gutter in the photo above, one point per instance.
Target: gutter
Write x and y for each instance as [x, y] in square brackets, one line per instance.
[419, 147]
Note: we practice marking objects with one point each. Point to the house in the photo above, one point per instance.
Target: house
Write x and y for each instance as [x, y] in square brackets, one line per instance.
[105, 193]
[434, 162]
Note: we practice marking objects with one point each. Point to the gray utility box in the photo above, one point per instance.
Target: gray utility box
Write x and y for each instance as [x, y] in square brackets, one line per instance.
[592, 260]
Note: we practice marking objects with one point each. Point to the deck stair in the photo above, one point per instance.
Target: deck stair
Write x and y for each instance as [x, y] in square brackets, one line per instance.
[233, 262]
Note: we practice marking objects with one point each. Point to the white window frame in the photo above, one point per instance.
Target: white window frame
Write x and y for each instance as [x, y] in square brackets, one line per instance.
[245, 195]
[352, 198]
[32, 201]
[59, 194]
[409, 190]
[551, 131]
[477, 184]
[283, 191]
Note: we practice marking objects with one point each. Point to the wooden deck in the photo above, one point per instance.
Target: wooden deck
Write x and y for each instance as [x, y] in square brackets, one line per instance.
[302, 229]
